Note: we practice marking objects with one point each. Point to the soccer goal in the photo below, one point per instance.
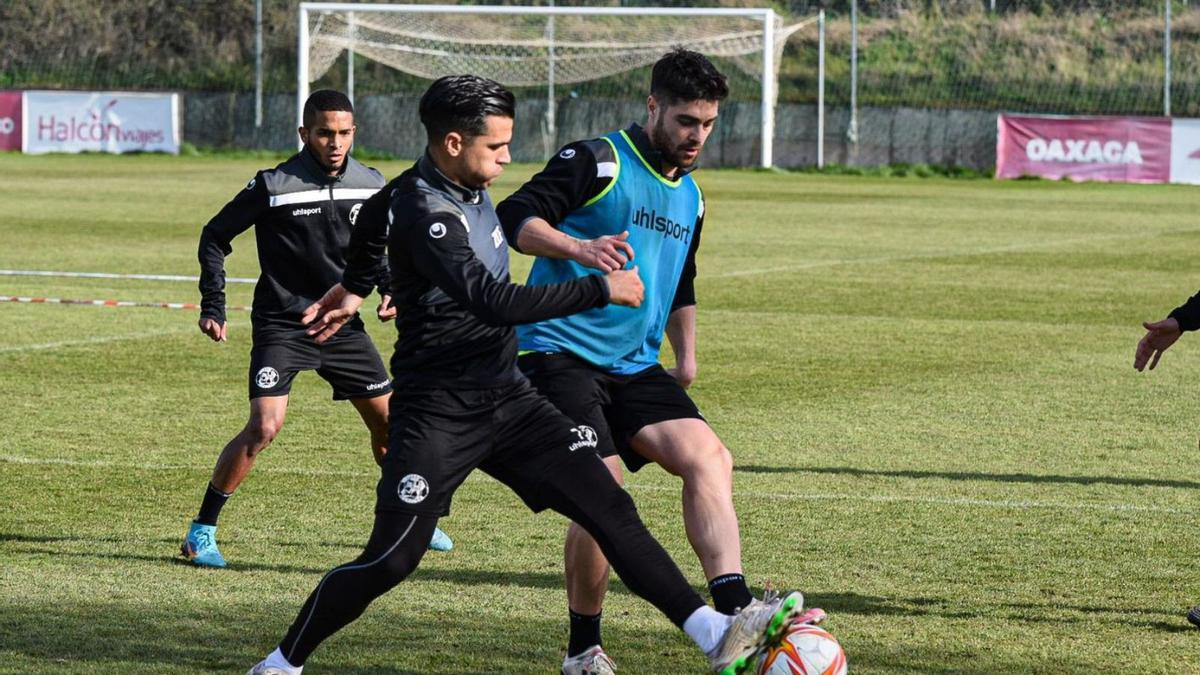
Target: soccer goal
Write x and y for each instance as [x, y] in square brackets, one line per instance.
[554, 56]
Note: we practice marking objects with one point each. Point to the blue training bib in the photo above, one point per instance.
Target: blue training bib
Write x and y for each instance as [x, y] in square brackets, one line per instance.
[660, 215]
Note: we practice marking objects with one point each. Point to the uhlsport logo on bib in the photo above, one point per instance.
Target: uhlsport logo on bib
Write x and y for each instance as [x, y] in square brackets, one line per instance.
[587, 437]
[437, 230]
[266, 378]
[413, 489]
[354, 213]
[567, 154]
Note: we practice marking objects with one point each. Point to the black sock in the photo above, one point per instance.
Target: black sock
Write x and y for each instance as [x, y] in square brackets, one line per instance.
[210, 508]
[585, 632]
[729, 593]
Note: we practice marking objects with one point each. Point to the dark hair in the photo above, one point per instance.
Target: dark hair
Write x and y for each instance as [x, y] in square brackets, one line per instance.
[325, 100]
[463, 103]
[684, 75]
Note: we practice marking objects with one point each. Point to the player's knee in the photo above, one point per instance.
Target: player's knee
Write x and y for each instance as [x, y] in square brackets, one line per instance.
[616, 504]
[261, 432]
[710, 462]
[396, 566]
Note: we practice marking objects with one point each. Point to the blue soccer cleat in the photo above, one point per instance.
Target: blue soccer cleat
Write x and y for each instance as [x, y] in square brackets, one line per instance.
[200, 546]
[439, 542]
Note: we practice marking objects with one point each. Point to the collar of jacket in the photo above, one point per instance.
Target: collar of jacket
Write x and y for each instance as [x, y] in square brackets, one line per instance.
[439, 180]
[314, 167]
[641, 140]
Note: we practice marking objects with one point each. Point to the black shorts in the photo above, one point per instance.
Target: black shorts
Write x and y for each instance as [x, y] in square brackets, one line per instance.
[616, 406]
[436, 437]
[348, 361]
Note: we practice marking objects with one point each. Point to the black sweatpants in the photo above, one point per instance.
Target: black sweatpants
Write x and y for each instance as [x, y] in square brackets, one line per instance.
[582, 490]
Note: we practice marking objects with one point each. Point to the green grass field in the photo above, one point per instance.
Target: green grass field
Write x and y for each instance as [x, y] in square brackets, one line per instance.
[927, 386]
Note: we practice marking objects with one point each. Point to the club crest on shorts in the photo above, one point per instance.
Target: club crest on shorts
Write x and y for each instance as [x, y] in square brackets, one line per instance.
[266, 378]
[413, 489]
[586, 435]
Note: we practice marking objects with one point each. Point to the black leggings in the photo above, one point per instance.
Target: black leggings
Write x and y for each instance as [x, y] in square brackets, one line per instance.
[581, 490]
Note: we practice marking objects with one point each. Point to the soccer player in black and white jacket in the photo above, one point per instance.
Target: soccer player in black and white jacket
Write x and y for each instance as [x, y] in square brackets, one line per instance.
[462, 404]
[303, 211]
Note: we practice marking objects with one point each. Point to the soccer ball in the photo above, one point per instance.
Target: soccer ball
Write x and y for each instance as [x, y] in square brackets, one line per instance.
[804, 650]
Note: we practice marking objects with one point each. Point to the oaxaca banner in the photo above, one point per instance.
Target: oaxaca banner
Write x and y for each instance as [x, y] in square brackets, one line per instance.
[10, 120]
[66, 121]
[1121, 149]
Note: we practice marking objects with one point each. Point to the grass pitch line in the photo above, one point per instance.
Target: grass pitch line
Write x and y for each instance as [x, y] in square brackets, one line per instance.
[112, 275]
[1006, 504]
[984, 250]
[89, 342]
[940, 501]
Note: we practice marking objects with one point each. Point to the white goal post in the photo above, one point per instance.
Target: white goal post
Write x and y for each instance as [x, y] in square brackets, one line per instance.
[409, 38]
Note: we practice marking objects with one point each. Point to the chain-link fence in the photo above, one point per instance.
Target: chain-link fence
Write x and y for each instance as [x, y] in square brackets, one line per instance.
[954, 60]
[1081, 57]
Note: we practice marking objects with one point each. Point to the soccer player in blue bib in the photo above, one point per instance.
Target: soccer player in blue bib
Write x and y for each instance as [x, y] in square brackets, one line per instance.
[594, 206]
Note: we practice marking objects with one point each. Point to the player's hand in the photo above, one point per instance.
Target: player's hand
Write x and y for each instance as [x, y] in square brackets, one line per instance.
[213, 329]
[607, 253]
[1159, 336]
[385, 311]
[327, 315]
[625, 287]
[684, 374]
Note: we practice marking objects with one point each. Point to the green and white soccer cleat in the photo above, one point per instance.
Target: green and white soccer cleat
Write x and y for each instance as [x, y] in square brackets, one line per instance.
[592, 661]
[754, 628]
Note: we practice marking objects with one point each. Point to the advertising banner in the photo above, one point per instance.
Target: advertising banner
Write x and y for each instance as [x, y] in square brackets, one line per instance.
[1185, 151]
[10, 120]
[64, 121]
[1122, 149]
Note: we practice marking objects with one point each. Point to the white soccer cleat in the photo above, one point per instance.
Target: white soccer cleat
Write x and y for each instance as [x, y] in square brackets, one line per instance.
[592, 661]
[753, 629]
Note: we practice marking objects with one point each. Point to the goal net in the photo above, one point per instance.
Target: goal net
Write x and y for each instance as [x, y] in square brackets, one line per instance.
[578, 71]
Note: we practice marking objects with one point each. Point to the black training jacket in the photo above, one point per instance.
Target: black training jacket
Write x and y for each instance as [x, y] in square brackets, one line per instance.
[302, 220]
[450, 283]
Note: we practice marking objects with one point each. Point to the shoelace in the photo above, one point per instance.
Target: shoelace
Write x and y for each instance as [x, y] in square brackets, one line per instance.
[600, 659]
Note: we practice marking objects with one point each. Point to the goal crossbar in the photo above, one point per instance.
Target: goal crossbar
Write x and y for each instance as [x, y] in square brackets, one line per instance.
[767, 16]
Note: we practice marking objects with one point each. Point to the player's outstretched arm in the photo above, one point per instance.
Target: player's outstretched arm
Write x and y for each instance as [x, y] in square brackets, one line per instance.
[607, 253]
[442, 254]
[1160, 335]
[213, 329]
[327, 315]
[571, 179]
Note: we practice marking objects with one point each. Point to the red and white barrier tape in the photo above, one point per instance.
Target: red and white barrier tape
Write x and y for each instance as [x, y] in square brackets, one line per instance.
[111, 275]
[111, 303]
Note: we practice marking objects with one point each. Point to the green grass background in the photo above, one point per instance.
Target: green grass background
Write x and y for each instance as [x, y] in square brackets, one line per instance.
[927, 386]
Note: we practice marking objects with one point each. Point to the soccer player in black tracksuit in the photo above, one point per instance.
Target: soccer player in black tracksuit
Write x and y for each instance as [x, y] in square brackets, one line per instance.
[1159, 337]
[461, 402]
[303, 211]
